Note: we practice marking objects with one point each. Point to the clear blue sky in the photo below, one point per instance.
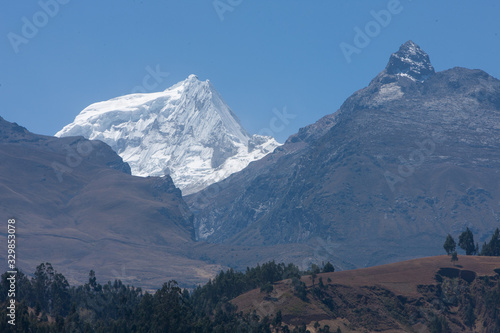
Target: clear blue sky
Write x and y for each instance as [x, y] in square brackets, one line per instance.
[262, 55]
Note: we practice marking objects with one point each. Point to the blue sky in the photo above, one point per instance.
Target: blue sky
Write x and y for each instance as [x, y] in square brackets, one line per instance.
[260, 55]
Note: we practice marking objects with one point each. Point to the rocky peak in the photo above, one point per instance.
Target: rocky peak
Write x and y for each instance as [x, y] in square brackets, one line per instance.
[410, 61]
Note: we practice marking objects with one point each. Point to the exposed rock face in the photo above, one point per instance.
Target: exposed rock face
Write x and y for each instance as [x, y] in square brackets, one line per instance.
[404, 161]
[410, 61]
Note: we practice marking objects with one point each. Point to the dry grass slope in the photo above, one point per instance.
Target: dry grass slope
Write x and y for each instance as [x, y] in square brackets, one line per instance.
[398, 297]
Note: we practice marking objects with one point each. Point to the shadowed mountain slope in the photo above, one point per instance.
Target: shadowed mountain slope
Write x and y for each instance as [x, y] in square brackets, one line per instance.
[78, 207]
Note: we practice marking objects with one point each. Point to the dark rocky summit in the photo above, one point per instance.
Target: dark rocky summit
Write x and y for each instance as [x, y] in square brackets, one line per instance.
[410, 61]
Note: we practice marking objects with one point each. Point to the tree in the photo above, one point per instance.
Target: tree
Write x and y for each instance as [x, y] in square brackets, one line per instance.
[449, 245]
[315, 269]
[493, 247]
[59, 295]
[170, 309]
[92, 280]
[454, 256]
[278, 319]
[466, 242]
[300, 289]
[313, 277]
[38, 309]
[267, 288]
[328, 267]
[42, 285]
[321, 284]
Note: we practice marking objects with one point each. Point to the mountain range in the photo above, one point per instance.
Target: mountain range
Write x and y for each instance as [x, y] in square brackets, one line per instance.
[77, 206]
[403, 162]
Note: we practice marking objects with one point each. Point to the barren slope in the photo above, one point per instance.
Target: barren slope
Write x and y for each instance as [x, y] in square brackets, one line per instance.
[398, 297]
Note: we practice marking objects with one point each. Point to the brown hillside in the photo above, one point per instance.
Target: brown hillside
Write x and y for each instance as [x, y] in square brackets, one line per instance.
[398, 297]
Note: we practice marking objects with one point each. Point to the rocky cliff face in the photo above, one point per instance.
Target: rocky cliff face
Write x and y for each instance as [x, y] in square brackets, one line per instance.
[404, 161]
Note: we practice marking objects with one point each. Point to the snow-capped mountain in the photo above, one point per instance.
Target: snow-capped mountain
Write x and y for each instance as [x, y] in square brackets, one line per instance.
[186, 131]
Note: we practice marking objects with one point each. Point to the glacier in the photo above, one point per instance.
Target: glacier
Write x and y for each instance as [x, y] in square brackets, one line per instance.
[186, 131]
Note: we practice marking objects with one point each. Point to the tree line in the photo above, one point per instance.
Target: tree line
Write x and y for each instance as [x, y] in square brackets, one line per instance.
[47, 303]
[466, 243]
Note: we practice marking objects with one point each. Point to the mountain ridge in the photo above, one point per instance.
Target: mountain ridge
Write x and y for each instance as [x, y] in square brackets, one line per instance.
[400, 164]
[77, 206]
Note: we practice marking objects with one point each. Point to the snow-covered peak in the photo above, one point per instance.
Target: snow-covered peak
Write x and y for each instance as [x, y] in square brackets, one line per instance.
[187, 131]
[410, 61]
[191, 82]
